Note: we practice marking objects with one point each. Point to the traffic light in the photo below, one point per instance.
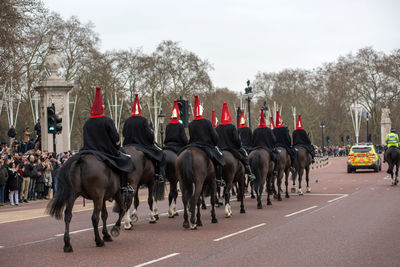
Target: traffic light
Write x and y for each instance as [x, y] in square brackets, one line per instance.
[369, 137]
[348, 138]
[328, 139]
[342, 138]
[53, 121]
[184, 111]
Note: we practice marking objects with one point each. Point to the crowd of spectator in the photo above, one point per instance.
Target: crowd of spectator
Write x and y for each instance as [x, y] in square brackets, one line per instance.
[333, 151]
[28, 176]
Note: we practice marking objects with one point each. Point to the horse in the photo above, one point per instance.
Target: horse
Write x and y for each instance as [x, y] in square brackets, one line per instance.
[143, 175]
[195, 170]
[302, 163]
[392, 157]
[233, 171]
[283, 167]
[170, 173]
[262, 166]
[86, 176]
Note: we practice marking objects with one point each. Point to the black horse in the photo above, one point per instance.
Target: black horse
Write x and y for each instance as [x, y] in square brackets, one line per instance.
[195, 170]
[86, 176]
[143, 175]
[170, 173]
[262, 166]
[284, 164]
[303, 162]
[233, 171]
[392, 157]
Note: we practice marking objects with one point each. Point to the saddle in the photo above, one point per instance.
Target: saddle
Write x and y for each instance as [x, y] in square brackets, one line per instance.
[215, 156]
[121, 163]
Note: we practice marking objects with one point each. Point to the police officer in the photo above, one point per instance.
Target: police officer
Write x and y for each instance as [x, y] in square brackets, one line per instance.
[300, 137]
[203, 135]
[175, 136]
[392, 139]
[101, 137]
[229, 139]
[137, 132]
[283, 139]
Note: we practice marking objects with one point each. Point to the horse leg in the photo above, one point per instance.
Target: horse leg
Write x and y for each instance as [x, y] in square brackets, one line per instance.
[185, 200]
[67, 220]
[227, 195]
[308, 179]
[259, 191]
[173, 194]
[287, 184]
[240, 193]
[116, 228]
[273, 190]
[198, 218]
[192, 207]
[95, 220]
[294, 175]
[133, 218]
[203, 202]
[104, 216]
[252, 190]
[300, 192]
[279, 182]
[150, 201]
[269, 190]
[213, 200]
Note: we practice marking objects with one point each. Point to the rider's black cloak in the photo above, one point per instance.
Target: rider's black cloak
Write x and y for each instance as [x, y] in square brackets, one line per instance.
[300, 137]
[175, 137]
[246, 136]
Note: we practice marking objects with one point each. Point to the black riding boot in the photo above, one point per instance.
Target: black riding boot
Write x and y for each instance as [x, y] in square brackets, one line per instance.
[159, 172]
[312, 157]
[218, 175]
[249, 173]
[125, 186]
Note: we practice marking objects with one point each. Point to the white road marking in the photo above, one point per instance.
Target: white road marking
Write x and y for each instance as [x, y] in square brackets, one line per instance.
[317, 194]
[300, 211]
[329, 201]
[157, 260]
[239, 232]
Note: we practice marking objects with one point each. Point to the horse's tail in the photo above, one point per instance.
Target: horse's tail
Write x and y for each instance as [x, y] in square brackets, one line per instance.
[255, 167]
[65, 190]
[187, 172]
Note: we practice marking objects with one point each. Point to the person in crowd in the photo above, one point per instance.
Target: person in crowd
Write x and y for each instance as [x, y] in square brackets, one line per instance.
[55, 168]
[11, 135]
[13, 184]
[27, 168]
[27, 138]
[39, 178]
[32, 175]
[47, 170]
[3, 178]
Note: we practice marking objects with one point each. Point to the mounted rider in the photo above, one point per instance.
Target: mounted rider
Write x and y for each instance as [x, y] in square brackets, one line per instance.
[229, 139]
[175, 136]
[101, 138]
[392, 139]
[245, 133]
[137, 133]
[263, 137]
[203, 135]
[283, 139]
[301, 138]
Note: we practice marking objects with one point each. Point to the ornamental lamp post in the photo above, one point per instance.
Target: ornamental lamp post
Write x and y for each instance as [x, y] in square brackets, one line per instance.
[322, 125]
[367, 119]
[161, 118]
[248, 95]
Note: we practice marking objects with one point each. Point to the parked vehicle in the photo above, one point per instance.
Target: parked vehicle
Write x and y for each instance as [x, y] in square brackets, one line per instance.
[363, 156]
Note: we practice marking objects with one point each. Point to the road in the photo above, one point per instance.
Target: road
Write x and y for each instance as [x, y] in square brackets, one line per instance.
[347, 220]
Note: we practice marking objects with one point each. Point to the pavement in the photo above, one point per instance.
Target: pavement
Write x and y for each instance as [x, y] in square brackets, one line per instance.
[347, 220]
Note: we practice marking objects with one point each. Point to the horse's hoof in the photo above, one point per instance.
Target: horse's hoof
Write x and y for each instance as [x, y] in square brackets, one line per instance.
[185, 225]
[287, 196]
[300, 192]
[152, 220]
[107, 238]
[293, 190]
[275, 196]
[134, 218]
[68, 249]
[203, 207]
[279, 199]
[100, 243]
[242, 211]
[253, 197]
[193, 227]
[199, 223]
[228, 215]
[308, 190]
[269, 203]
[214, 220]
[176, 214]
[157, 217]
[170, 214]
[115, 231]
[126, 227]
[259, 206]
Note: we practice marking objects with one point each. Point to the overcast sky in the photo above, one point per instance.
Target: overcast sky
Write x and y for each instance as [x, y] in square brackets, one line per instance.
[241, 37]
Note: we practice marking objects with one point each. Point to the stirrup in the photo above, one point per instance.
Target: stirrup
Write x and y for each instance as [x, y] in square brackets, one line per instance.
[159, 178]
[251, 177]
[127, 189]
[221, 183]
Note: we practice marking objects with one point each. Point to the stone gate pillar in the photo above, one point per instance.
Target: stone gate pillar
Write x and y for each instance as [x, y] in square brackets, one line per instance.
[386, 124]
[54, 90]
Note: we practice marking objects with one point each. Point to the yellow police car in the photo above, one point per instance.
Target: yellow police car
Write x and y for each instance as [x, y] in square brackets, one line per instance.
[363, 156]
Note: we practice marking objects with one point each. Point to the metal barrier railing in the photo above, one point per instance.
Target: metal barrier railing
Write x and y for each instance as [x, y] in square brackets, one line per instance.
[320, 162]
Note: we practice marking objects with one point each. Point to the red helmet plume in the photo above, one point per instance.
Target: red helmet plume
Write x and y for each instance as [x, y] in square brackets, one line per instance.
[136, 111]
[262, 120]
[225, 115]
[299, 123]
[98, 107]
[242, 120]
[175, 116]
